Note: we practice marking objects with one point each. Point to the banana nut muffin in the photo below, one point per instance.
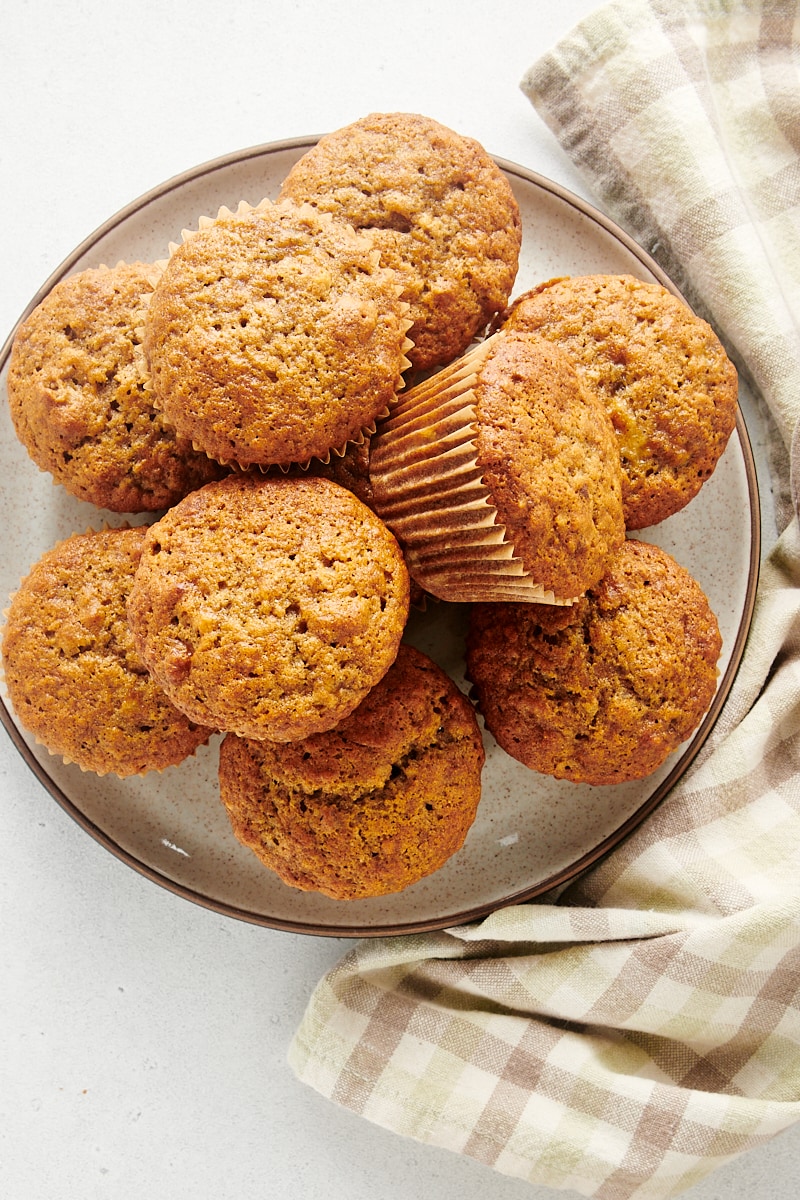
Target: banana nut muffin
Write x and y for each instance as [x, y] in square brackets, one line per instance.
[603, 692]
[72, 672]
[275, 335]
[371, 806]
[442, 211]
[660, 370]
[80, 397]
[269, 607]
[505, 444]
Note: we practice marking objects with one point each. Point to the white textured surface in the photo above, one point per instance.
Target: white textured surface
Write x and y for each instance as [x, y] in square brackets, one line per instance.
[143, 1038]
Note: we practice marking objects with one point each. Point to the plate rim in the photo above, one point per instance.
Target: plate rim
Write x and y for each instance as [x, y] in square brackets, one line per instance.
[564, 875]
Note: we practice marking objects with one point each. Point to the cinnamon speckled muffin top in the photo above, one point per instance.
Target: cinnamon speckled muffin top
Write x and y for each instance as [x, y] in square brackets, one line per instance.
[659, 369]
[602, 692]
[442, 211]
[275, 335]
[269, 607]
[371, 806]
[73, 675]
[80, 396]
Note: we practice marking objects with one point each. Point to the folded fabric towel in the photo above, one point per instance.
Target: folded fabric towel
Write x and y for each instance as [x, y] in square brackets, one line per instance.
[642, 1028]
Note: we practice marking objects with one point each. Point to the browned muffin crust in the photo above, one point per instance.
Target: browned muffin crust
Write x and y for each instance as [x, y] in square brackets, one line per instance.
[442, 211]
[659, 369]
[275, 335]
[371, 806]
[80, 396]
[602, 692]
[548, 456]
[269, 607]
[500, 476]
[73, 675]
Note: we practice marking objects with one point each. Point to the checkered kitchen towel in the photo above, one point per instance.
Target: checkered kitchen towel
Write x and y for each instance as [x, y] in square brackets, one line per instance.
[644, 1028]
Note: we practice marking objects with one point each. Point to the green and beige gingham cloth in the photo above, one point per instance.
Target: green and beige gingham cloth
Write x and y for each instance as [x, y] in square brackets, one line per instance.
[643, 1028]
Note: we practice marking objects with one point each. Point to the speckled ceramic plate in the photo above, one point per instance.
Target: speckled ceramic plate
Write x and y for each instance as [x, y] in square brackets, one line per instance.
[532, 833]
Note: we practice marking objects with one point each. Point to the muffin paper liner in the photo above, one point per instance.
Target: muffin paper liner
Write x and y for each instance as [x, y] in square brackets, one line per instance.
[428, 488]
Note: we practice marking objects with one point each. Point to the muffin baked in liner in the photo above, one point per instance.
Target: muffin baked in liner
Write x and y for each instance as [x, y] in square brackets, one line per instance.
[442, 211]
[658, 368]
[603, 692]
[72, 673]
[371, 806]
[439, 492]
[81, 400]
[223, 337]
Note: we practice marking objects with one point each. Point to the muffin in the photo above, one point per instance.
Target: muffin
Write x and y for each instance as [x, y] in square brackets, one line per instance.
[371, 806]
[441, 210]
[80, 397]
[268, 607]
[603, 692]
[275, 335]
[661, 372]
[72, 672]
[501, 477]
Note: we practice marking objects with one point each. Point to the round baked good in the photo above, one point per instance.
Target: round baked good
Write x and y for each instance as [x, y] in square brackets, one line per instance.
[602, 692]
[73, 675]
[275, 335]
[80, 396]
[659, 369]
[371, 806]
[442, 211]
[500, 476]
[269, 607]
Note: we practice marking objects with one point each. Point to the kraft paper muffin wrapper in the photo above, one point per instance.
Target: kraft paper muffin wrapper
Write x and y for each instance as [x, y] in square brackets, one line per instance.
[360, 435]
[428, 488]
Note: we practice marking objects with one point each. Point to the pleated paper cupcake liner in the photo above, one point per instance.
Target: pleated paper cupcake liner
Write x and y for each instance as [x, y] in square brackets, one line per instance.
[429, 489]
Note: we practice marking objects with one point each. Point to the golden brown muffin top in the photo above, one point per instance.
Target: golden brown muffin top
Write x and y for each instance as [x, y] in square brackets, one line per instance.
[661, 372]
[371, 806]
[604, 691]
[269, 605]
[548, 456]
[73, 674]
[81, 401]
[442, 211]
[275, 335]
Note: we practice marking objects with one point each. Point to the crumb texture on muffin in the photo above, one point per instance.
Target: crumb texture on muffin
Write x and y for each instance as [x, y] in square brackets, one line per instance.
[547, 455]
[659, 369]
[71, 668]
[269, 607]
[501, 476]
[275, 335]
[369, 807]
[80, 396]
[603, 692]
[441, 210]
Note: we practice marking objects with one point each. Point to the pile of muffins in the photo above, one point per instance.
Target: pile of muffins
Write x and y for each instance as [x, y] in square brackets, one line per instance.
[331, 408]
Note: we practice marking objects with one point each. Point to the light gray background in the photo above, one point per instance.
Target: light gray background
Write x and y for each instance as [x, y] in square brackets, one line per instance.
[144, 1038]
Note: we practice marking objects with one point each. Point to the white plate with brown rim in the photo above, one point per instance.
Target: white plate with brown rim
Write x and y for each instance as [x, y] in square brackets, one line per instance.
[532, 833]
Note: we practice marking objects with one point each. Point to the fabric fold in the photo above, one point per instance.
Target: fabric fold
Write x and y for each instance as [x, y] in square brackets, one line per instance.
[684, 119]
[631, 1034]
